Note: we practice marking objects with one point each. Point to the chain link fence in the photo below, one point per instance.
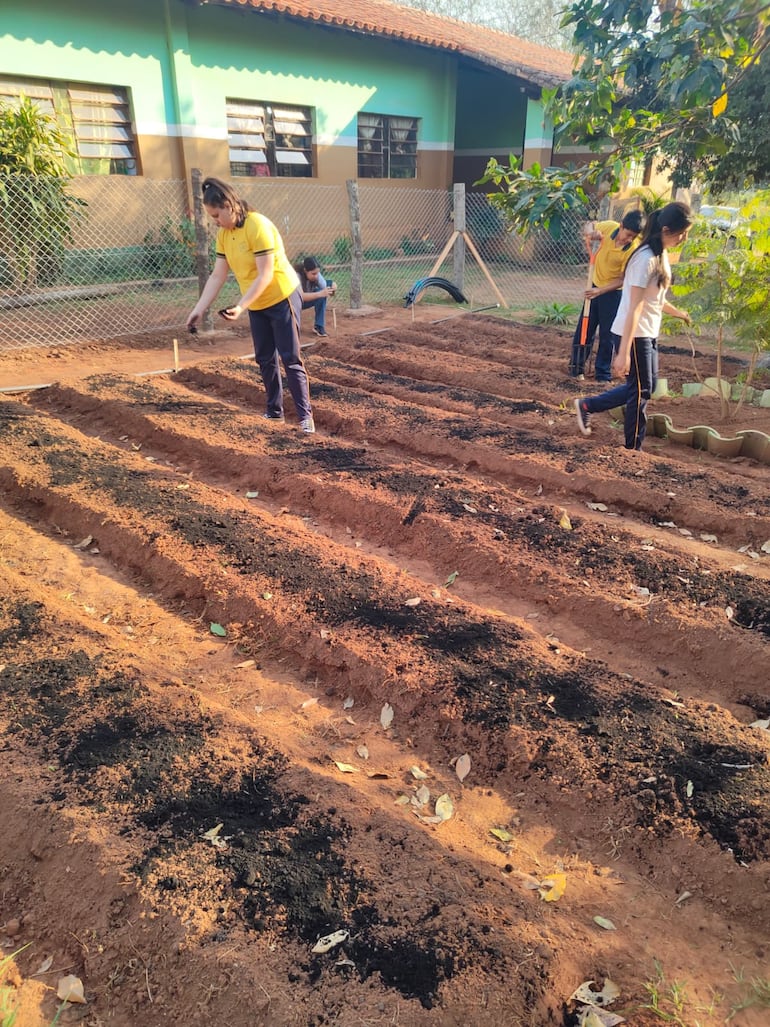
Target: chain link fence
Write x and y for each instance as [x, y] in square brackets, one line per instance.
[107, 256]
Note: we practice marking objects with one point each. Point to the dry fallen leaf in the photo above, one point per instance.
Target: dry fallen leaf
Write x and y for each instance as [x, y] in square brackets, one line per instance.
[602, 921]
[415, 601]
[386, 716]
[245, 664]
[70, 989]
[552, 887]
[501, 834]
[564, 521]
[348, 703]
[444, 807]
[463, 766]
[605, 997]
[346, 768]
[330, 941]
[421, 796]
[309, 702]
[363, 752]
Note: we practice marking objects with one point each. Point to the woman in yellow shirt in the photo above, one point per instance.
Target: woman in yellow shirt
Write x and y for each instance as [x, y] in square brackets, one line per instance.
[618, 242]
[249, 245]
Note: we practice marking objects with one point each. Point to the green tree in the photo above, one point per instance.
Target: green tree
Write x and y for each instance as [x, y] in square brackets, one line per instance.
[724, 278]
[651, 78]
[35, 208]
[748, 162]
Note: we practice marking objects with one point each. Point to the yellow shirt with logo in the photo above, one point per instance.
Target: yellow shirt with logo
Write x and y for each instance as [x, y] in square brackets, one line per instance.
[241, 246]
[611, 260]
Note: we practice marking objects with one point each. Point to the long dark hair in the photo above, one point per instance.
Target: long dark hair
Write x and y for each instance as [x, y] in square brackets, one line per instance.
[217, 193]
[675, 217]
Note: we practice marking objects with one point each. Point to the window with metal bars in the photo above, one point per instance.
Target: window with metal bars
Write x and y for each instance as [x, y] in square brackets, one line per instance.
[98, 119]
[268, 140]
[387, 146]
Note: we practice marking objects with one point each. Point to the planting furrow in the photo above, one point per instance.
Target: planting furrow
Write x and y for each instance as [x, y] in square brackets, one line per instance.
[527, 710]
[140, 753]
[528, 460]
[494, 538]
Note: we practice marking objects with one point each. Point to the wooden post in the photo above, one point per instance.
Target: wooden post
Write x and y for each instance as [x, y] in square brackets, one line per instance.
[176, 354]
[483, 267]
[202, 268]
[458, 268]
[357, 249]
[440, 258]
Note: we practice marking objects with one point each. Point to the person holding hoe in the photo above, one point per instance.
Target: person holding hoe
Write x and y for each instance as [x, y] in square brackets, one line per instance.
[250, 245]
[617, 242]
[637, 323]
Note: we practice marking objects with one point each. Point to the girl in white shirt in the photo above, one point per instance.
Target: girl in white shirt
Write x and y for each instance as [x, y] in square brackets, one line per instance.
[637, 323]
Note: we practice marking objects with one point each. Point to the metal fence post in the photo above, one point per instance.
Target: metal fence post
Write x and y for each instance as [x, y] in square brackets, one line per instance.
[458, 269]
[202, 268]
[357, 250]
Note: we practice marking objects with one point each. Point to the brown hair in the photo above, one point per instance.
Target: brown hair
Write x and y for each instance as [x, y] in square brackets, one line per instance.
[217, 193]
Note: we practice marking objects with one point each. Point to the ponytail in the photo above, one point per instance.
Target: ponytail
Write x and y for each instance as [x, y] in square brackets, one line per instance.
[217, 193]
[674, 217]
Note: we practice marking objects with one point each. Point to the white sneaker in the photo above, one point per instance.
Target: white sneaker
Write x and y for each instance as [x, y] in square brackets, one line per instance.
[307, 425]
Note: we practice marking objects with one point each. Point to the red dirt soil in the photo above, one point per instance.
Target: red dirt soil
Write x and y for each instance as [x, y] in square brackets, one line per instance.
[207, 619]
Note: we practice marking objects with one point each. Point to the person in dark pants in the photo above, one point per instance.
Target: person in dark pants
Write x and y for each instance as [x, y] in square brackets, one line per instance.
[250, 245]
[315, 291]
[617, 244]
[637, 323]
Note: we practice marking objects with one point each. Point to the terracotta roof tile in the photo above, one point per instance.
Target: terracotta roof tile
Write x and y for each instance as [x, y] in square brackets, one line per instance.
[539, 64]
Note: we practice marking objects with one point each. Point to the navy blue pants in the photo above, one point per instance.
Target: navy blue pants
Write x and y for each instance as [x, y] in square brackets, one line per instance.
[601, 314]
[634, 392]
[275, 332]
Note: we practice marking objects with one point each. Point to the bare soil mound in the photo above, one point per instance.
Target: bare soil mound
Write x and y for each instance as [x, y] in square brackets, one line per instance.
[447, 678]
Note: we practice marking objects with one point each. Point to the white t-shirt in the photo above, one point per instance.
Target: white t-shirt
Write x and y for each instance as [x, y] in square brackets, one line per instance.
[642, 270]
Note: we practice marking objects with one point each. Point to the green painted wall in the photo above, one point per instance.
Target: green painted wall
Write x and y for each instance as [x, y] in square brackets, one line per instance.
[311, 65]
[221, 53]
[93, 42]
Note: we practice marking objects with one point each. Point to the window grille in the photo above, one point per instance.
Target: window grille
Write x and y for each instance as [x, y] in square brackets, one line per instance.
[98, 119]
[267, 141]
[387, 146]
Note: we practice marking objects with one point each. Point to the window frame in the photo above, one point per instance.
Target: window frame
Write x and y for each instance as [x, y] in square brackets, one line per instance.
[380, 153]
[74, 106]
[262, 130]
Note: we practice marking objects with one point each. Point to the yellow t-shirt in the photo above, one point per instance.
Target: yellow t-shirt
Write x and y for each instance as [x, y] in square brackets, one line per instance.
[611, 260]
[241, 246]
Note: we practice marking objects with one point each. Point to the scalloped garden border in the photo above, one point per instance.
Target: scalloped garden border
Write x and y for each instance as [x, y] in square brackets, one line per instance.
[749, 443]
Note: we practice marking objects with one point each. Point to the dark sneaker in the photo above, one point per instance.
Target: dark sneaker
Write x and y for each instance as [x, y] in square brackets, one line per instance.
[320, 332]
[272, 417]
[582, 416]
[307, 425]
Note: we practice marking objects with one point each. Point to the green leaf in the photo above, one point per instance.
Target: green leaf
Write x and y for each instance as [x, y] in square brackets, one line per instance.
[217, 629]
